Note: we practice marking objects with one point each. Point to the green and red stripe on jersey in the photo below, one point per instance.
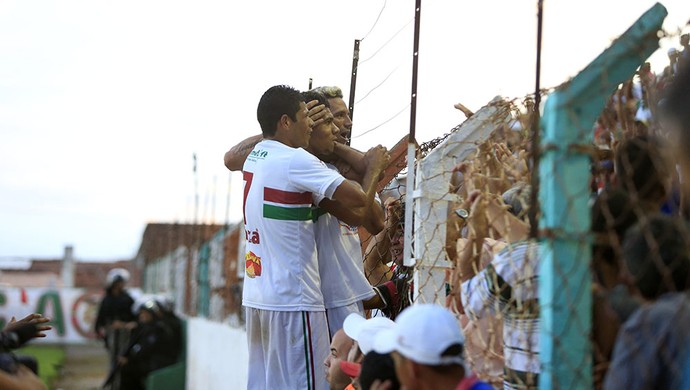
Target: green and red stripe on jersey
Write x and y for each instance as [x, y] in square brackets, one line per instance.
[287, 205]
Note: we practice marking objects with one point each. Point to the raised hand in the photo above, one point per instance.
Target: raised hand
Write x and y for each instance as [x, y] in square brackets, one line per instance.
[377, 158]
[33, 318]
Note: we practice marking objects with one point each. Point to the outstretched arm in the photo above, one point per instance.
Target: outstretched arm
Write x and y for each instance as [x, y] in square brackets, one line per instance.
[355, 204]
[234, 158]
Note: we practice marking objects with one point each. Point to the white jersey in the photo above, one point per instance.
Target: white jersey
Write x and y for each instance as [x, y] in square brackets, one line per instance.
[281, 184]
[341, 265]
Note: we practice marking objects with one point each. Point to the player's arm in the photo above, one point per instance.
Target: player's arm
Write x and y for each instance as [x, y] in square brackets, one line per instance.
[350, 162]
[355, 204]
[234, 158]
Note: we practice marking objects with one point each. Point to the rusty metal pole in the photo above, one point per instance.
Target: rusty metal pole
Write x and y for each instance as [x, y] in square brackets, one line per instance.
[353, 82]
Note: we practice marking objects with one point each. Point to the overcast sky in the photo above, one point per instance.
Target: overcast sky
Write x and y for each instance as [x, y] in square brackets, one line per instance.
[103, 104]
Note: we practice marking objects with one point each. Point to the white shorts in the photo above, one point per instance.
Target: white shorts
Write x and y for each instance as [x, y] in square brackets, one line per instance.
[336, 316]
[287, 349]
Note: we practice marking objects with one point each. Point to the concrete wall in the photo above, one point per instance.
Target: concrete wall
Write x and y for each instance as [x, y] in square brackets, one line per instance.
[216, 356]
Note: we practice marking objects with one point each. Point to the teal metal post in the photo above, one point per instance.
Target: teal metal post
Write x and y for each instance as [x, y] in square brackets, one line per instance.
[204, 289]
[565, 284]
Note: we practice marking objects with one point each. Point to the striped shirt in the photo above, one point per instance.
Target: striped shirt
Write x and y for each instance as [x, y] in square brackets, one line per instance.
[508, 287]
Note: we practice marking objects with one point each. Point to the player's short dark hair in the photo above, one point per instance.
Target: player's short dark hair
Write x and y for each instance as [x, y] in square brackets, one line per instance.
[315, 95]
[277, 101]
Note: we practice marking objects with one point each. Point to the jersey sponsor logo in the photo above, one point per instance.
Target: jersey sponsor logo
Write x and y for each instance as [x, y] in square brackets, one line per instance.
[252, 236]
[258, 154]
[252, 265]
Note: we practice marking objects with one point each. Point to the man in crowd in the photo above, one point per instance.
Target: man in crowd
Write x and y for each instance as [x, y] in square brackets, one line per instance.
[507, 285]
[427, 347]
[651, 347]
[340, 347]
[383, 261]
[286, 324]
[676, 119]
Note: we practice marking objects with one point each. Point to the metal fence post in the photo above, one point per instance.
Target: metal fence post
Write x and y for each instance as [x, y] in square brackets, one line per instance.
[565, 284]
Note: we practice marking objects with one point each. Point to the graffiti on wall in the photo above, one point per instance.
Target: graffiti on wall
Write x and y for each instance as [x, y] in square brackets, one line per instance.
[72, 311]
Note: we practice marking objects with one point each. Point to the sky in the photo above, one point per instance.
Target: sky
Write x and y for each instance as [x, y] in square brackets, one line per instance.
[103, 104]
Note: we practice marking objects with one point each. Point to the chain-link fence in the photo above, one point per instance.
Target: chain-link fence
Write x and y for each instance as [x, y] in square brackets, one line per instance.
[594, 298]
[590, 297]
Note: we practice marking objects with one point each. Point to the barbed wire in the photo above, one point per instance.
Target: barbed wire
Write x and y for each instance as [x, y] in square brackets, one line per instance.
[378, 85]
[384, 122]
[376, 21]
[387, 42]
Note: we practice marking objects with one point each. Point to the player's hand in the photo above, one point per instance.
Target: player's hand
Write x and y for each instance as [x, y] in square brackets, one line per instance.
[317, 112]
[377, 158]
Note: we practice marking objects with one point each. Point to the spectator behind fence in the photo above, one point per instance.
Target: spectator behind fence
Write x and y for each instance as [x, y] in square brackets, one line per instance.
[507, 286]
[383, 261]
[612, 214]
[643, 171]
[676, 120]
[652, 346]
[427, 347]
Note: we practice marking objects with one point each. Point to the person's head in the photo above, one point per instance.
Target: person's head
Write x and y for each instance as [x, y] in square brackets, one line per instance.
[283, 115]
[426, 345]
[656, 252]
[676, 116]
[397, 235]
[148, 312]
[325, 133]
[378, 366]
[684, 40]
[364, 331]
[116, 280]
[611, 215]
[340, 111]
[517, 198]
[340, 346]
[642, 169]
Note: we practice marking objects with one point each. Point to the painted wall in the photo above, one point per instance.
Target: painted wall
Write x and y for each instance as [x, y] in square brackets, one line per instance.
[73, 311]
[216, 356]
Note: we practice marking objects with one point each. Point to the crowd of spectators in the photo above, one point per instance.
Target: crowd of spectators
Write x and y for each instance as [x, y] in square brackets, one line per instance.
[488, 333]
[640, 251]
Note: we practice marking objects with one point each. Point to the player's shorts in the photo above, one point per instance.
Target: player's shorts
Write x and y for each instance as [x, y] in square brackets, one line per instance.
[287, 349]
[336, 316]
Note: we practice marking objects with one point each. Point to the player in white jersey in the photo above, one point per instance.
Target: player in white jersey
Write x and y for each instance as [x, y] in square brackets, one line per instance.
[286, 322]
[344, 285]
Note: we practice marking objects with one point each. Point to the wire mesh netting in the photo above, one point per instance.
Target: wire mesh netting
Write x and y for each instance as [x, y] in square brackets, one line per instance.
[609, 262]
[594, 295]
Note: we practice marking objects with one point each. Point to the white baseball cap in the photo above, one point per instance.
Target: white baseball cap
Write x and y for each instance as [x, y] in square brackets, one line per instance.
[365, 331]
[422, 333]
